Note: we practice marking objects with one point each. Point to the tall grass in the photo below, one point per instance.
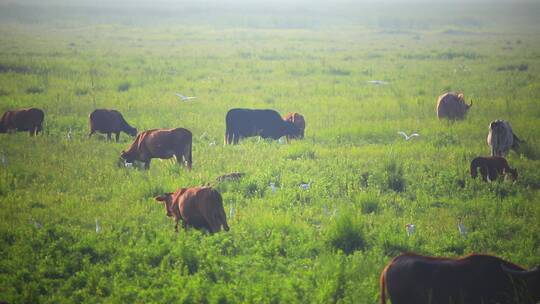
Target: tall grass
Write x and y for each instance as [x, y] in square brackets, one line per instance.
[324, 244]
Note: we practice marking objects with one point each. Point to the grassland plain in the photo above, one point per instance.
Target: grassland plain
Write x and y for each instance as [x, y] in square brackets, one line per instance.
[325, 244]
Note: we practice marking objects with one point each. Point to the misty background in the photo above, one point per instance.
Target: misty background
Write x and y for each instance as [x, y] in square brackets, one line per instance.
[503, 15]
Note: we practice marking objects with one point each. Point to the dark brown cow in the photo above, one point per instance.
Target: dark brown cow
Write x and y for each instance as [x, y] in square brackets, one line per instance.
[29, 119]
[109, 121]
[491, 167]
[198, 207]
[297, 120]
[160, 143]
[452, 106]
[414, 279]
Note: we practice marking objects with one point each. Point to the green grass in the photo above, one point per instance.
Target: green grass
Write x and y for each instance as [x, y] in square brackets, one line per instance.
[325, 244]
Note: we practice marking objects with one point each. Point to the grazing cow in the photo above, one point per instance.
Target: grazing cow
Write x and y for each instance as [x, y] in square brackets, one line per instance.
[501, 138]
[297, 120]
[264, 123]
[198, 207]
[452, 106]
[414, 279]
[235, 176]
[159, 143]
[491, 167]
[109, 121]
[29, 119]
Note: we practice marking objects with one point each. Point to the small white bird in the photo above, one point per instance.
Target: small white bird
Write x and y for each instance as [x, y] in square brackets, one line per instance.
[325, 211]
[411, 229]
[213, 143]
[378, 82]
[231, 212]
[185, 98]
[461, 228]
[69, 134]
[273, 187]
[204, 135]
[37, 224]
[98, 226]
[407, 137]
[4, 159]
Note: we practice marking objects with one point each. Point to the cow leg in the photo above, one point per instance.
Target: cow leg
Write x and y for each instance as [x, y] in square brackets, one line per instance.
[176, 226]
[117, 136]
[146, 164]
[108, 136]
[91, 133]
[492, 174]
[484, 172]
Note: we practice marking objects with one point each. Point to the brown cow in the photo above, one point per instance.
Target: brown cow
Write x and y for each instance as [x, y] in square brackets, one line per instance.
[198, 207]
[299, 121]
[477, 278]
[109, 121]
[160, 143]
[29, 119]
[491, 167]
[452, 106]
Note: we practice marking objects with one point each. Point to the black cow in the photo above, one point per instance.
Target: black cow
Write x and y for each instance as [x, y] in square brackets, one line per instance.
[264, 123]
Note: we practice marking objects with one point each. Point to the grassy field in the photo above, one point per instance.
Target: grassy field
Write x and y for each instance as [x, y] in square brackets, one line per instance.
[327, 244]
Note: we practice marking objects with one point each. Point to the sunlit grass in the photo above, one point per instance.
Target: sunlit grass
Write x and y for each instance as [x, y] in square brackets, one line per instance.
[324, 244]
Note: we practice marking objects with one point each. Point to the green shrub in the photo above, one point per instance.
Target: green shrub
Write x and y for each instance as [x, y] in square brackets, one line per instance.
[347, 234]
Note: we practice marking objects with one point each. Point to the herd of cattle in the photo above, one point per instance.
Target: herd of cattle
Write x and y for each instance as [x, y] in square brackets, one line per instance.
[407, 279]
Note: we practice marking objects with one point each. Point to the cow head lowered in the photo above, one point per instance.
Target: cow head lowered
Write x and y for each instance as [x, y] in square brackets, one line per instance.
[291, 130]
[131, 131]
[126, 157]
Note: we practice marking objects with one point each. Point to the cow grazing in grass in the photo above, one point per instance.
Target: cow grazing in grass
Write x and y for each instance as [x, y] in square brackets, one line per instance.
[297, 120]
[501, 138]
[264, 123]
[109, 121]
[452, 106]
[473, 279]
[29, 119]
[198, 207]
[491, 167]
[160, 143]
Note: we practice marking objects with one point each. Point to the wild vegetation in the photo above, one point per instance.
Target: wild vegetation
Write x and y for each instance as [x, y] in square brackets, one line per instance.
[76, 228]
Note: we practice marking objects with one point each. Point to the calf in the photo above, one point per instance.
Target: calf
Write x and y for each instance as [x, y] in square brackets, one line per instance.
[198, 207]
[491, 167]
[109, 121]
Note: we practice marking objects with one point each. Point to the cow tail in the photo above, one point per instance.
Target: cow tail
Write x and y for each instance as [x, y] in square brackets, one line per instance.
[188, 154]
[383, 285]
[473, 168]
[220, 212]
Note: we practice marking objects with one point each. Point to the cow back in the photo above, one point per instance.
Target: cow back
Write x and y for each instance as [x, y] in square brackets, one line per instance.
[451, 105]
[107, 121]
[202, 207]
[253, 122]
[27, 119]
[475, 278]
[500, 137]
